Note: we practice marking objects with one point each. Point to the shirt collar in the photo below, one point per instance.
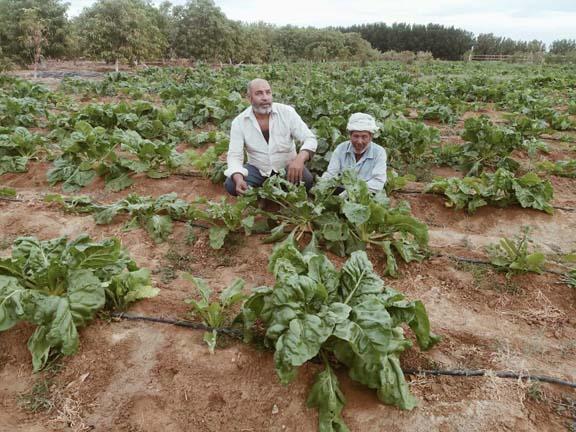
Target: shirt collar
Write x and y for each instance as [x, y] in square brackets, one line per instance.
[368, 153]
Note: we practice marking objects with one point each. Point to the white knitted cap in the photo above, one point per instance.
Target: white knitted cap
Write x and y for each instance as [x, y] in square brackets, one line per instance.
[361, 122]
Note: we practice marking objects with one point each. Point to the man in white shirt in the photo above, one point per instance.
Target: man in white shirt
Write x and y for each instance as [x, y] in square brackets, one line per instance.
[267, 130]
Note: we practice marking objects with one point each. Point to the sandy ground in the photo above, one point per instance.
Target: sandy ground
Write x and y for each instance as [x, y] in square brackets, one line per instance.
[133, 376]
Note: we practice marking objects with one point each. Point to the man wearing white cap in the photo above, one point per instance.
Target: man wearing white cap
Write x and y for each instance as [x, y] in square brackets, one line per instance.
[266, 131]
[360, 153]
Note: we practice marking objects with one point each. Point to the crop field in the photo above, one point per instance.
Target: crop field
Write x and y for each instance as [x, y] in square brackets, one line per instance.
[295, 312]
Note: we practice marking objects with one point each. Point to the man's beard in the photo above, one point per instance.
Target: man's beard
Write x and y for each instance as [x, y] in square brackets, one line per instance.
[262, 109]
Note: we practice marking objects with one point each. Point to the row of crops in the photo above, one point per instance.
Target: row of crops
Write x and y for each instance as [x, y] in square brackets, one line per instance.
[159, 108]
[161, 122]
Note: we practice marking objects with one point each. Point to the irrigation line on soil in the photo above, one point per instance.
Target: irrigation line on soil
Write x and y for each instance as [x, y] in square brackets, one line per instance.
[180, 323]
[188, 174]
[499, 374]
[2, 198]
[455, 373]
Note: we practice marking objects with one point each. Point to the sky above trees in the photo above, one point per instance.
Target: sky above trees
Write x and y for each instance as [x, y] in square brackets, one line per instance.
[517, 19]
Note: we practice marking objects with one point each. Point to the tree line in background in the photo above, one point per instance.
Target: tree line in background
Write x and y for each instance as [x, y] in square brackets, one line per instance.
[446, 43]
[137, 30]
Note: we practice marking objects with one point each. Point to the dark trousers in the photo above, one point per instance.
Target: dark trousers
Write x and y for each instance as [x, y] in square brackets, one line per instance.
[255, 179]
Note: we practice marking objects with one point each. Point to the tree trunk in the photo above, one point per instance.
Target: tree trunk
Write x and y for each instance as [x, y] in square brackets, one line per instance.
[116, 65]
[37, 52]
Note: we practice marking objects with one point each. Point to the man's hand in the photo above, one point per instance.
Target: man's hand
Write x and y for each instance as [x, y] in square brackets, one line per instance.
[241, 185]
[296, 167]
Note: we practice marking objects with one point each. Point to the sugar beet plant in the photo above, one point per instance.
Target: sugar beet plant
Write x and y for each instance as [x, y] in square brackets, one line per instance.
[501, 189]
[93, 151]
[17, 147]
[314, 310]
[351, 221]
[59, 285]
[409, 145]
[156, 215]
[513, 255]
[214, 314]
[344, 223]
[487, 146]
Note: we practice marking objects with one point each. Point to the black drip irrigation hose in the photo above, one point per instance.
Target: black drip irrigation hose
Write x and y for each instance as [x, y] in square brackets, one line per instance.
[188, 174]
[568, 209]
[238, 334]
[499, 374]
[235, 333]
[408, 192]
[3, 198]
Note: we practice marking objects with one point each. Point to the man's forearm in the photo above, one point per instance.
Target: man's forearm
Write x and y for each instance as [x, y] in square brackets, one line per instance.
[237, 176]
[306, 155]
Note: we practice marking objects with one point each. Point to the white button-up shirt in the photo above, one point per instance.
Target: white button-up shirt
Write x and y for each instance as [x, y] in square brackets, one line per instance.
[285, 126]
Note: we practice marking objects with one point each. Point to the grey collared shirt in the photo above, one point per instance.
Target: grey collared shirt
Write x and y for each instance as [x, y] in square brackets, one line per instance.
[371, 167]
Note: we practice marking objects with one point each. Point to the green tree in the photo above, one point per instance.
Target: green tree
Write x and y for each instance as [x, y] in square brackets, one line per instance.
[563, 46]
[203, 32]
[255, 44]
[33, 34]
[121, 30]
[164, 18]
[14, 37]
[446, 43]
[358, 48]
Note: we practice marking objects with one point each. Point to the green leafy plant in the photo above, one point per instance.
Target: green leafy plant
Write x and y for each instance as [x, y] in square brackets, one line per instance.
[373, 221]
[409, 145]
[570, 278]
[513, 256]
[395, 181]
[214, 314]
[17, 148]
[353, 220]
[90, 151]
[315, 310]
[21, 111]
[487, 145]
[227, 218]
[501, 189]
[155, 215]
[562, 168]
[60, 285]
[208, 162]
[7, 192]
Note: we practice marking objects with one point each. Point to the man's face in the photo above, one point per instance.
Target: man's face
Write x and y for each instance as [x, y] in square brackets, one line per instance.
[360, 140]
[260, 97]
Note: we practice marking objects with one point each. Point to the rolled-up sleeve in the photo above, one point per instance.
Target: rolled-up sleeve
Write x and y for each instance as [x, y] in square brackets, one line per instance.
[302, 133]
[235, 158]
[378, 179]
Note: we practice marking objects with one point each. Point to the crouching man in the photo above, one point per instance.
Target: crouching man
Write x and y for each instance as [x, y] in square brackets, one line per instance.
[360, 154]
[267, 130]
